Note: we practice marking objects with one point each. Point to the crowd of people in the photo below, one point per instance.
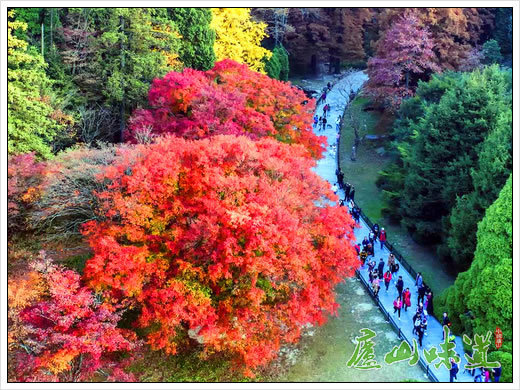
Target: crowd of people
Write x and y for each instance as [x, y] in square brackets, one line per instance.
[385, 273]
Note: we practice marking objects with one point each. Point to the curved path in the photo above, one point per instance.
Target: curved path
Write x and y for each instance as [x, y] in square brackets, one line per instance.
[326, 168]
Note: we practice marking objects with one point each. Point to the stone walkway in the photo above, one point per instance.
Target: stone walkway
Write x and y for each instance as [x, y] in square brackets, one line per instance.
[326, 168]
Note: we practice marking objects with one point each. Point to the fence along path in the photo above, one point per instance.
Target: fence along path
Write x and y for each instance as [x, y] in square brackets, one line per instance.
[326, 168]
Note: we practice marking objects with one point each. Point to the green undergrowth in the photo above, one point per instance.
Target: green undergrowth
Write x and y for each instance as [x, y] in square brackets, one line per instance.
[373, 156]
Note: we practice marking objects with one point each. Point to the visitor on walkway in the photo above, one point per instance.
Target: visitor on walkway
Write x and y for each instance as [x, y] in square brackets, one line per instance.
[420, 332]
[357, 215]
[381, 268]
[421, 292]
[315, 119]
[391, 261]
[329, 85]
[382, 237]
[454, 370]
[365, 242]
[400, 285]
[363, 256]
[418, 280]
[429, 303]
[407, 299]
[335, 188]
[387, 277]
[375, 229]
[371, 237]
[397, 307]
[416, 319]
[480, 377]
[375, 285]
[445, 321]
[357, 247]
[497, 372]
[371, 265]
[395, 268]
[323, 96]
[338, 124]
[352, 193]
[341, 176]
[370, 250]
[425, 323]
[324, 122]
[347, 191]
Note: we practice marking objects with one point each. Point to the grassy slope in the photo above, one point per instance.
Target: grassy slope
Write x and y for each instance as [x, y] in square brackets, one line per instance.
[363, 174]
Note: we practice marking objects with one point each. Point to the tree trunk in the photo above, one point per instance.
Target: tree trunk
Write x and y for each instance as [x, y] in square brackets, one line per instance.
[42, 40]
[122, 105]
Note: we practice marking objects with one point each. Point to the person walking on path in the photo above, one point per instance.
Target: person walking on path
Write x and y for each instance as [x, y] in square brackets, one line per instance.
[370, 250]
[407, 296]
[365, 242]
[497, 372]
[445, 321]
[382, 237]
[418, 280]
[425, 323]
[315, 120]
[400, 285]
[391, 261]
[454, 370]
[395, 268]
[335, 188]
[375, 285]
[420, 331]
[347, 191]
[338, 123]
[381, 267]
[375, 229]
[421, 292]
[397, 307]
[429, 303]
[387, 277]
[416, 319]
[352, 193]
[371, 237]
[324, 122]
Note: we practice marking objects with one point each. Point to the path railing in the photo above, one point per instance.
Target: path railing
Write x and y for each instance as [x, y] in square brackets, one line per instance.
[424, 364]
[393, 250]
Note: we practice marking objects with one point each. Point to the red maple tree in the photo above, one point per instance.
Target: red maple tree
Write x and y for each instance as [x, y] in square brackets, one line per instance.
[60, 331]
[404, 55]
[228, 99]
[225, 241]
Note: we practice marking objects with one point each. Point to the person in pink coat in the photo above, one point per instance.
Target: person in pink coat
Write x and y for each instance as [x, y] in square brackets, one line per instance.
[397, 307]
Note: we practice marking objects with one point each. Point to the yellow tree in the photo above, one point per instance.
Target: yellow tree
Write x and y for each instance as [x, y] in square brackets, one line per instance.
[238, 37]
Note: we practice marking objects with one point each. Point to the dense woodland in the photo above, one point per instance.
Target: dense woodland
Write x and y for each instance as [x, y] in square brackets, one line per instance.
[160, 187]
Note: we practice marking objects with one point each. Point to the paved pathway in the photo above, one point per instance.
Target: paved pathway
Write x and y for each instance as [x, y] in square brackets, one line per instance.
[326, 168]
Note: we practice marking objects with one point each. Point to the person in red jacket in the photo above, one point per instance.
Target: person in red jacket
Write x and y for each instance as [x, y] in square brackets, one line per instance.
[407, 296]
[382, 237]
[387, 277]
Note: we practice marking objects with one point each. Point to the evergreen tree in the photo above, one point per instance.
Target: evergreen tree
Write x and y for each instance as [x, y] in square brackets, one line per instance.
[495, 163]
[481, 298]
[196, 50]
[491, 52]
[277, 67]
[33, 123]
[503, 32]
[444, 150]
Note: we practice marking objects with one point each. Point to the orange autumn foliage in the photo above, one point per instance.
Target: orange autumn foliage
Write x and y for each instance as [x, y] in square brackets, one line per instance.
[227, 242]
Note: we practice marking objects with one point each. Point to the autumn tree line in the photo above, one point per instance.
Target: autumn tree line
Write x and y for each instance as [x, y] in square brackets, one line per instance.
[160, 187]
